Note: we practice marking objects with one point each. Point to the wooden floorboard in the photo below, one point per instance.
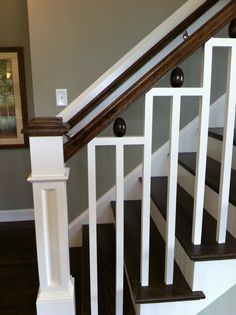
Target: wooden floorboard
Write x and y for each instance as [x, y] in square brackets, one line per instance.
[188, 161]
[18, 269]
[209, 249]
[157, 291]
[106, 273]
[217, 133]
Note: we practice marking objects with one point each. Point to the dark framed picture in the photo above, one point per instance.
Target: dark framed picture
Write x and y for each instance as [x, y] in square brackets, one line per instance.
[13, 107]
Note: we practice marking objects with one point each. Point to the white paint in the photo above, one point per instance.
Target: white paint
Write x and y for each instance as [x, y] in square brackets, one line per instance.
[204, 109]
[146, 191]
[92, 229]
[119, 228]
[227, 146]
[16, 215]
[172, 189]
[49, 176]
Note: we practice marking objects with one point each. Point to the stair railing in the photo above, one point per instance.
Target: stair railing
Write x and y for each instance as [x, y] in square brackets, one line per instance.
[49, 176]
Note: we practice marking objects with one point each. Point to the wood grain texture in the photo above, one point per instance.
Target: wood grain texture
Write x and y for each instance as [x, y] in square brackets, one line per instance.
[157, 291]
[106, 273]
[142, 61]
[144, 84]
[209, 249]
[217, 133]
[188, 161]
[46, 126]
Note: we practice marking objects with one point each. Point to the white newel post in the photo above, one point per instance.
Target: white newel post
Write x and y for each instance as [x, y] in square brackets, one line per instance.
[48, 177]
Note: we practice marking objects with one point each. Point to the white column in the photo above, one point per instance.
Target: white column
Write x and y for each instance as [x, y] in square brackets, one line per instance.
[49, 176]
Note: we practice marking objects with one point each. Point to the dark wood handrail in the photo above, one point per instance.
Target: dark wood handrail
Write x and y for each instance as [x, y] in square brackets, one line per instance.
[184, 50]
[142, 61]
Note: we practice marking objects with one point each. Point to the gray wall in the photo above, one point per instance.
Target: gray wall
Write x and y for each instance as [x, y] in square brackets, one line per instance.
[15, 192]
[72, 43]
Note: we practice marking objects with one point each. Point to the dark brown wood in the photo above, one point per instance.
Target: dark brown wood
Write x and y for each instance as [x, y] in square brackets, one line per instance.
[218, 133]
[188, 161]
[157, 291]
[141, 61]
[18, 269]
[106, 273]
[209, 248]
[184, 50]
[46, 126]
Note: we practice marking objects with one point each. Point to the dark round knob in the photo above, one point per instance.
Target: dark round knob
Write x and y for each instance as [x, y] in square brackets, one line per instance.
[177, 77]
[119, 127]
[232, 29]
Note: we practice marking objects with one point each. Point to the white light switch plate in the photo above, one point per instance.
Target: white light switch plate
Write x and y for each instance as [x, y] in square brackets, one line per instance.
[61, 97]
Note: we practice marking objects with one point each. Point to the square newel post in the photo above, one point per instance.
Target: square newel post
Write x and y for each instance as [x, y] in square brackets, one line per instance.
[48, 177]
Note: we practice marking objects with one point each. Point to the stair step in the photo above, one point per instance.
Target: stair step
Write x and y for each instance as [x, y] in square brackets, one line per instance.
[188, 161]
[157, 291]
[217, 133]
[209, 249]
[106, 272]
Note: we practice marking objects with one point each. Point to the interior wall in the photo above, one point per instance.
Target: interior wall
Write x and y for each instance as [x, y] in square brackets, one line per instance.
[15, 191]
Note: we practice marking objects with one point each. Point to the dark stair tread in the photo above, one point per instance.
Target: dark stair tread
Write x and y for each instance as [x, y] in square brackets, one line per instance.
[209, 249]
[157, 291]
[106, 273]
[218, 133]
[188, 161]
[76, 272]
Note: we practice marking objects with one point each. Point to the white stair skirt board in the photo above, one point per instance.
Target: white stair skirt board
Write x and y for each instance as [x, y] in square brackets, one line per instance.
[204, 276]
[16, 215]
[186, 180]
[215, 148]
[187, 143]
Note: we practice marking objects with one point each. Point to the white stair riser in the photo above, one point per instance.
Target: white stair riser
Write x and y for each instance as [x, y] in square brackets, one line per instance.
[215, 148]
[199, 275]
[186, 180]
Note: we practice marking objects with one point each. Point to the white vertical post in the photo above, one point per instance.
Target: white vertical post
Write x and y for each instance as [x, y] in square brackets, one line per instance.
[172, 189]
[49, 176]
[204, 109]
[119, 228]
[92, 228]
[227, 148]
[146, 190]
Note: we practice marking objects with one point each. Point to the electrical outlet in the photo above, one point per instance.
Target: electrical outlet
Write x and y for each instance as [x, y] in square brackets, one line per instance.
[61, 97]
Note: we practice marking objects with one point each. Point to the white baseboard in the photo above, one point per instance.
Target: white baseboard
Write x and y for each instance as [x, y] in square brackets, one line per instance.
[187, 143]
[16, 215]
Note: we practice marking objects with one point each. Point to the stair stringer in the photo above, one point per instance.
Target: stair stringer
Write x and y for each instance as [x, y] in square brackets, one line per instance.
[187, 181]
[200, 275]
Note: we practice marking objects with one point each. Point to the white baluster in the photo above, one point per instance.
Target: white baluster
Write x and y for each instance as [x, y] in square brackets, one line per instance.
[204, 109]
[119, 228]
[227, 147]
[92, 229]
[145, 217]
[172, 189]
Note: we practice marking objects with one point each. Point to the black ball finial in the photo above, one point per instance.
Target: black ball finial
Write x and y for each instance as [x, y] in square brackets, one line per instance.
[232, 29]
[119, 127]
[177, 77]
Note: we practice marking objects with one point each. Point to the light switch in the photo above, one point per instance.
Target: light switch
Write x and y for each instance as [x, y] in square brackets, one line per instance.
[61, 97]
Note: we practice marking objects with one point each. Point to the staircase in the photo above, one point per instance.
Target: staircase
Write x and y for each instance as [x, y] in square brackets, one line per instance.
[164, 253]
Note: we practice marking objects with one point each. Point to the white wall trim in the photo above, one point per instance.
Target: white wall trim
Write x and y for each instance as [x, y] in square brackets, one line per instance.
[16, 215]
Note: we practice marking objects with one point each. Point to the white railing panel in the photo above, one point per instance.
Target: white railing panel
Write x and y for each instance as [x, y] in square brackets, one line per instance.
[172, 189]
[119, 228]
[227, 148]
[204, 109]
[92, 229]
[146, 191]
